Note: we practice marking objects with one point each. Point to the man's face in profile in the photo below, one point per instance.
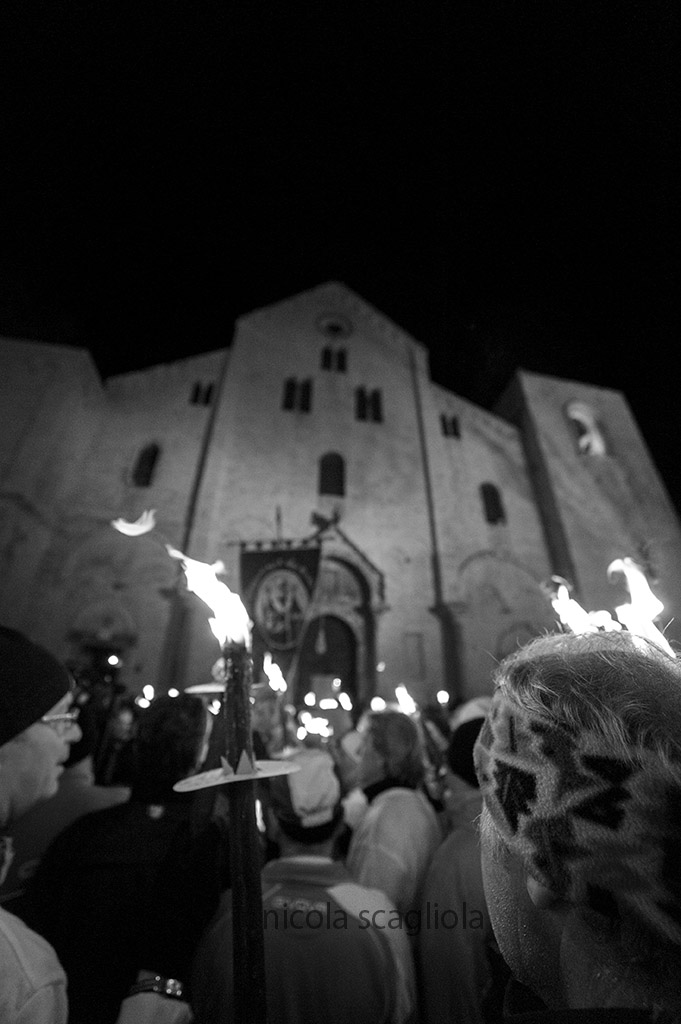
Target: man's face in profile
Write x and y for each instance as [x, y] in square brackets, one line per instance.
[32, 763]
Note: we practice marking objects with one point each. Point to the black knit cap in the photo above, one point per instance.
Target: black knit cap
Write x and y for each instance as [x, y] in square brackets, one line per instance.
[31, 682]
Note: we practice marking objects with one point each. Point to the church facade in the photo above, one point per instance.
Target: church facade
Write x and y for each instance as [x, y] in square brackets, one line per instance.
[436, 525]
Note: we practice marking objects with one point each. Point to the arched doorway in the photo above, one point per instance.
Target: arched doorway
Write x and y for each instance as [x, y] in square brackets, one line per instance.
[328, 652]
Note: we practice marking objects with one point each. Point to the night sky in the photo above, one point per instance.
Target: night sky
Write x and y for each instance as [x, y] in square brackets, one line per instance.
[499, 178]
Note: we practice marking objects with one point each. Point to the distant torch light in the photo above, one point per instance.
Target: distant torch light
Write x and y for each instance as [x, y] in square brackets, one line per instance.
[310, 699]
[315, 726]
[273, 673]
[442, 697]
[328, 703]
[172, 692]
[377, 704]
[301, 732]
[148, 691]
[142, 702]
[113, 659]
[380, 667]
[336, 683]
[344, 701]
[405, 700]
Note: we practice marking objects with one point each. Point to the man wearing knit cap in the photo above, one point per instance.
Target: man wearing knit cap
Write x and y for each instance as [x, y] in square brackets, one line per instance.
[579, 764]
[335, 951]
[36, 730]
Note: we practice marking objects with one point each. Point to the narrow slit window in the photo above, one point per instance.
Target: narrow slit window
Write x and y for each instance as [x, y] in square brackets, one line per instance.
[334, 359]
[369, 405]
[332, 474]
[305, 402]
[297, 394]
[289, 401]
[492, 504]
[450, 425]
[202, 394]
[145, 466]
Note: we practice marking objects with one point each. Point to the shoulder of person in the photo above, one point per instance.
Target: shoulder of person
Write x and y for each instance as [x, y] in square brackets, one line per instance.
[401, 800]
[25, 954]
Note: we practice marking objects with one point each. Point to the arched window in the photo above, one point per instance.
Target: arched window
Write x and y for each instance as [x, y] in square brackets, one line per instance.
[332, 474]
[586, 428]
[143, 473]
[492, 504]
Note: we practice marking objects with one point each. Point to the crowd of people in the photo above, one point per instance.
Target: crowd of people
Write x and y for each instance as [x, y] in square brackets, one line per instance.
[539, 880]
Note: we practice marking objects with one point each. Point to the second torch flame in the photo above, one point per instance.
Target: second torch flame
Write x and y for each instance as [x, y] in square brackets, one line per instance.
[231, 623]
[638, 616]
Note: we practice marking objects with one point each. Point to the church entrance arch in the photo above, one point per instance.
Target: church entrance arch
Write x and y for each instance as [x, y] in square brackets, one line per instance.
[338, 642]
[328, 660]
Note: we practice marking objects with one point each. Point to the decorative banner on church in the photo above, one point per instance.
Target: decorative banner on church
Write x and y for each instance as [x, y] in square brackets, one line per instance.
[277, 586]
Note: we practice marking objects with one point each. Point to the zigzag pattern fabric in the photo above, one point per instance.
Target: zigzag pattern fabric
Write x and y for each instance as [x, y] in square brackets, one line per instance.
[601, 831]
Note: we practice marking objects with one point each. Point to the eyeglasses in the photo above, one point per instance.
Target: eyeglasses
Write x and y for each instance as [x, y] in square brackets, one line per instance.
[61, 723]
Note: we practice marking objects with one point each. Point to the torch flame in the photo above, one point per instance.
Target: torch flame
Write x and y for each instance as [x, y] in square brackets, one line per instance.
[639, 615]
[569, 611]
[231, 621]
[406, 702]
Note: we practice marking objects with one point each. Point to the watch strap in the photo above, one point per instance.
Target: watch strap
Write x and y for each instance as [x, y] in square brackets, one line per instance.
[169, 987]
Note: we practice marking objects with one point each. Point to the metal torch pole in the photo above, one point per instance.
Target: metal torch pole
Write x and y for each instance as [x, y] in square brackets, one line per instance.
[250, 1003]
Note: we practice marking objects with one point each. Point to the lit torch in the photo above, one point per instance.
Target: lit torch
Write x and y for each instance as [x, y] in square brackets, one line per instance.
[638, 616]
[231, 627]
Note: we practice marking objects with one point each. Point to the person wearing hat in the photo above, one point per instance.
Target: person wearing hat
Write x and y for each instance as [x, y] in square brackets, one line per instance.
[93, 893]
[579, 764]
[334, 950]
[37, 727]
[78, 794]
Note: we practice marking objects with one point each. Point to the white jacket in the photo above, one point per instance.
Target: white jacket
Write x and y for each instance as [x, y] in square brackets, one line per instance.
[392, 845]
[32, 982]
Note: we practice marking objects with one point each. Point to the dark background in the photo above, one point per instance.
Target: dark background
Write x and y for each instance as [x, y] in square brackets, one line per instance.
[499, 178]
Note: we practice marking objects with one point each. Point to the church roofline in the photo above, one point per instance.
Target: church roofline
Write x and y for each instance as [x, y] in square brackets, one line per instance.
[340, 292]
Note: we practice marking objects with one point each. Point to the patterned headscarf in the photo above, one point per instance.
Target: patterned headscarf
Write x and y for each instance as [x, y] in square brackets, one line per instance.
[599, 826]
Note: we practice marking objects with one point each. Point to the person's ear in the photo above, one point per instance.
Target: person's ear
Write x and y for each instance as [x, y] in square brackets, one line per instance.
[543, 897]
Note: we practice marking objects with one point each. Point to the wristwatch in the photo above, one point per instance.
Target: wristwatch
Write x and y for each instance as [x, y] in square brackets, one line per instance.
[170, 987]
